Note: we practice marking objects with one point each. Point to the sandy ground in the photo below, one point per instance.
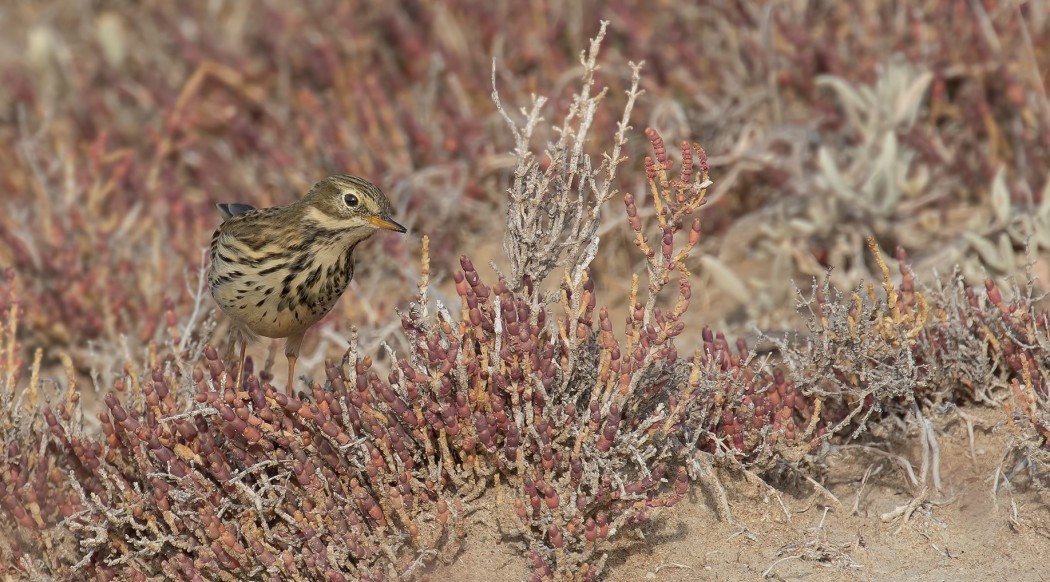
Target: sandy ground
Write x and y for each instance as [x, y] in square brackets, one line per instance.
[957, 534]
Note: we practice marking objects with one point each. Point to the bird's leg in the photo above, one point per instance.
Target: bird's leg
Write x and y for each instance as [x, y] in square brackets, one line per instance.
[291, 349]
[291, 374]
[240, 369]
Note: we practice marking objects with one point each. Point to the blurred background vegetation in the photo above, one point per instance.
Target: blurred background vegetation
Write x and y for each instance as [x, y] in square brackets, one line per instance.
[924, 124]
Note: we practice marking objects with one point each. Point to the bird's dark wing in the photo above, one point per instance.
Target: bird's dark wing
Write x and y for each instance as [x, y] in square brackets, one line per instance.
[230, 210]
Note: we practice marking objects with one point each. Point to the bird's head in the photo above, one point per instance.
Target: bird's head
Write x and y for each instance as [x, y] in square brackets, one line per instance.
[349, 202]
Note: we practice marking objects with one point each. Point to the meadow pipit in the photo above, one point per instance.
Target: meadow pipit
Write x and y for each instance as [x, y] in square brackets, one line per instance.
[277, 271]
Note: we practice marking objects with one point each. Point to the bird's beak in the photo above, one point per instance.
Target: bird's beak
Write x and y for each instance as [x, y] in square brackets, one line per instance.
[385, 222]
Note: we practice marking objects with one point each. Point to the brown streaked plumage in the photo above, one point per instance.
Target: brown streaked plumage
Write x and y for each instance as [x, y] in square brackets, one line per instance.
[277, 271]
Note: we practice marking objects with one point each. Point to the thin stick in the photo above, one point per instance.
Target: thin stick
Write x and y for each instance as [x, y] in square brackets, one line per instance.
[240, 368]
[860, 491]
[198, 300]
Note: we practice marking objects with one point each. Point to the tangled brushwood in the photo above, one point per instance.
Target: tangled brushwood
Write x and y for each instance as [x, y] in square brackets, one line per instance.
[520, 405]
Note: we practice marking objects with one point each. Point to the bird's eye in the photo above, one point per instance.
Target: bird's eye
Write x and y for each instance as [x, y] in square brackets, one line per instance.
[350, 200]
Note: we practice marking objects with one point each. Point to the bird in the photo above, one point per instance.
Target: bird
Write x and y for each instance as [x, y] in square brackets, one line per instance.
[275, 272]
